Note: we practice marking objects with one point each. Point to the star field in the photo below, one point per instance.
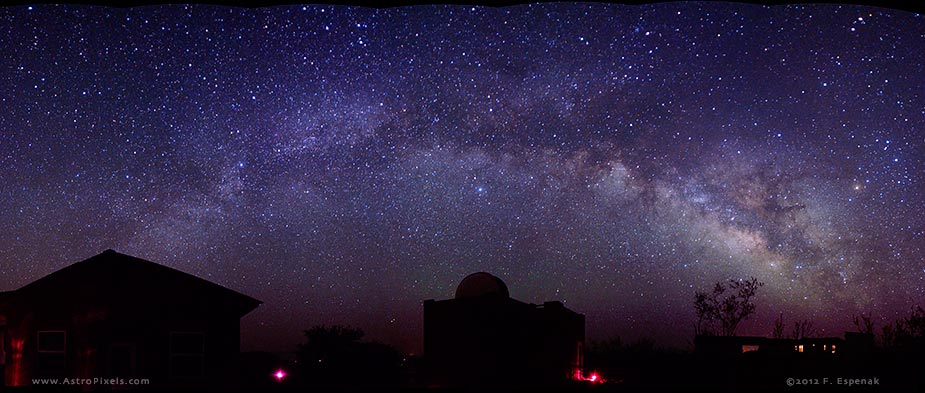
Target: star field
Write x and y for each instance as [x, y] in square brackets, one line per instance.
[342, 164]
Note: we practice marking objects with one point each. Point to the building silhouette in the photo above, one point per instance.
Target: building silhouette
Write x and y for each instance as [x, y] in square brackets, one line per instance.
[854, 344]
[484, 337]
[743, 363]
[114, 316]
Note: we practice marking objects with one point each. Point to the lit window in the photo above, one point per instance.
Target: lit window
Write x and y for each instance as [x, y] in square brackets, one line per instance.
[833, 348]
[800, 348]
[749, 348]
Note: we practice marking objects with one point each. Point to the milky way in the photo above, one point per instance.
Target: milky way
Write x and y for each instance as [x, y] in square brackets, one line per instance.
[342, 164]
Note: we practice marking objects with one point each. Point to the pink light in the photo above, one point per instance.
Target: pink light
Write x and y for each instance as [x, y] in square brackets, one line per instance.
[17, 367]
[593, 378]
[279, 375]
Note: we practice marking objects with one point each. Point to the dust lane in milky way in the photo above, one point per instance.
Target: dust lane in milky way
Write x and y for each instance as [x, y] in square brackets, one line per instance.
[342, 164]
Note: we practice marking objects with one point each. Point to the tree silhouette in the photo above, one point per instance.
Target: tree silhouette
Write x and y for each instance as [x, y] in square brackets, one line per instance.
[864, 323]
[727, 305]
[336, 356]
[802, 329]
[907, 333]
[778, 327]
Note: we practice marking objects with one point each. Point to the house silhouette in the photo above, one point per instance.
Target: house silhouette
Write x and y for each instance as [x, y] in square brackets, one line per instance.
[484, 337]
[115, 316]
[853, 345]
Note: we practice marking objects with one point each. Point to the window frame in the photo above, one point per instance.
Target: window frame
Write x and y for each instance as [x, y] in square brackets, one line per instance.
[173, 355]
[38, 341]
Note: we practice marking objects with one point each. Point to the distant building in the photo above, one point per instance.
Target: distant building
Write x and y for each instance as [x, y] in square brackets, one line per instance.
[854, 344]
[482, 336]
[117, 316]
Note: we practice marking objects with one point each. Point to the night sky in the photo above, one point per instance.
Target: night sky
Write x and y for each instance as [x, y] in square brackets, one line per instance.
[343, 164]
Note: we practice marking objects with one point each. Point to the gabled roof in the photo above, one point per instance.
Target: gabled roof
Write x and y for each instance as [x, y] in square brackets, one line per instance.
[112, 269]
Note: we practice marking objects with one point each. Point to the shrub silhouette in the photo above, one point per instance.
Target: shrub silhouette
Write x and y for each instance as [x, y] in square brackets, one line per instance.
[335, 356]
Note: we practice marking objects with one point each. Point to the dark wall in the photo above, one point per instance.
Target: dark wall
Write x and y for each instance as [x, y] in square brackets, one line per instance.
[102, 323]
[500, 341]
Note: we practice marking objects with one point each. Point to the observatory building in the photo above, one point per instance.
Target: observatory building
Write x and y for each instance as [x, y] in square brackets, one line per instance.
[482, 336]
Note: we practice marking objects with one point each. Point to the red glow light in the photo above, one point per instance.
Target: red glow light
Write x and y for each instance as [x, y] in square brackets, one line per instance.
[279, 375]
[17, 368]
[593, 378]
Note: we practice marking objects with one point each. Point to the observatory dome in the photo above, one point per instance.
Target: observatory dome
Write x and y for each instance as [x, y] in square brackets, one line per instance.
[481, 284]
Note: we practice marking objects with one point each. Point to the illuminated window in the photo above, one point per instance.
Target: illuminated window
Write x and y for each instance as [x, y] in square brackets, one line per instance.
[187, 358]
[825, 347]
[798, 348]
[749, 348]
[833, 348]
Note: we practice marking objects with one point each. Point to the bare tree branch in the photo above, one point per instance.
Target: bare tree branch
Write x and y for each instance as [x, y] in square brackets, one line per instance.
[728, 305]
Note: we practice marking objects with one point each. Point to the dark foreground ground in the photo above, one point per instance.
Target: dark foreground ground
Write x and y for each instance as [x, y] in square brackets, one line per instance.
[653, 372]
[596, 389]
[669, 383]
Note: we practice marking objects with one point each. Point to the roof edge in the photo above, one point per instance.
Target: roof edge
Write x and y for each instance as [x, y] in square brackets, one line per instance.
[113, 253]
